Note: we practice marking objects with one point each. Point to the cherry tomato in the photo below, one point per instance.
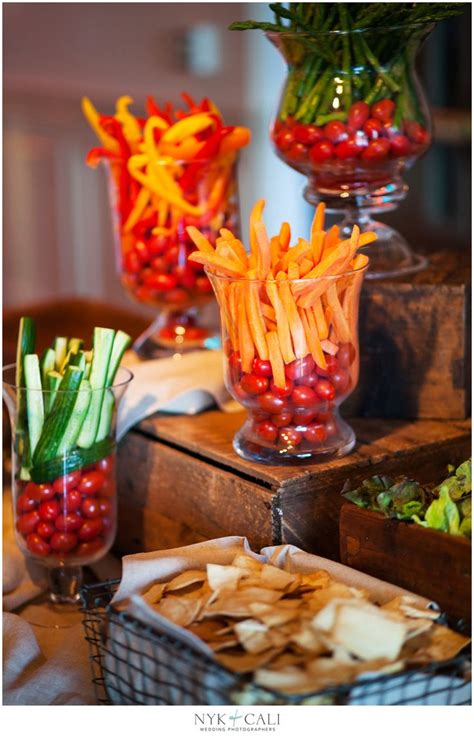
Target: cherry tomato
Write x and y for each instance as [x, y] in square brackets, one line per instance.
[325, 390]
[141, 250]
[254, 385]
[158, 265]
[335, 131]
[106, 465]
[262, 367]
[71, 501]
[331, 428]
[186, 277]
[321, 151]
[358, 115]
[331, 366]
[176, 296]
[284, 140]
[267, 431]
[304, 396]
[271, 403]
[416, 132]
[25, 503]
[235, 366]
[310, 380]
[377, 150]
[48, 510]
[302, 416]
[90, 529]
[87, 549]
[282, 391]
[383, 110]
[345, 354]
[340, 380]
[290, 436]
[347, 149]
[37, 545]
[399, 145]
[299, 368]
[315, 433]
[297, 152]
[41, 492]
[283, 419]
[131, 262]
[91, 482]
[172, 255]
[203, 284]
[28, 522]
[69, 522]
[90, 508]
[157, 245]
[161, 281]
[63, 541]
[108, 489]
[373, 129]
[308, 135]
[105, 506]
[45, 529]
[67, 482]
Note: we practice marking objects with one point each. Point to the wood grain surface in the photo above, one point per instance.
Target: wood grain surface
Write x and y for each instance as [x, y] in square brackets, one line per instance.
[430, 563]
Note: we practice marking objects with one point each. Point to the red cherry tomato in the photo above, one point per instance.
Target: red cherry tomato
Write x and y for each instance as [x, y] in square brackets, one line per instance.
[358, 115]
[40, 492]
[141, 249]
[299, 368]
[90, 529]
[66, 482]
[158, 265]
[315, 433]
[161, 281]
[63, 541]
[373, 129]
[91, 482]
[304, 396]
[321, 151]
[348, 149]
[400, 145]
[271, 403]
[108, 489]
[284, 140]
[37, 545]
[325, 390]
[254, 385]
[186, 277]
[105, 506]
[49, 510]
[335, 131]
[157, 245]
[345, 355]
[69, 522]
[282, 391]
[267, 431]
[28, 522]
[290, 436]
[25, 503]
[297, 152]
[383, 110]
[203, 285]
[106, 465]
[131, 262]
[340, 380]
[235, 366]
[302, 416]
[262, 367]
[45, 529]
[284, 419]
[310, 380]
[71, 501]
[172, 255]
[331, 366]
[331, 428]
[308, 135]
[90, 508]
[377, 150]
[416, 133]
[87, 549]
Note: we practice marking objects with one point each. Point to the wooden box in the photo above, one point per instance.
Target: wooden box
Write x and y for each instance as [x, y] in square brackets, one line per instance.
[180, 481]
[415, 344]
[428, 562]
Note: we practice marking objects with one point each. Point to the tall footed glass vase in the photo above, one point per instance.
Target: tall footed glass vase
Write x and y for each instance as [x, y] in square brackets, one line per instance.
[65, 506]
[353, 118]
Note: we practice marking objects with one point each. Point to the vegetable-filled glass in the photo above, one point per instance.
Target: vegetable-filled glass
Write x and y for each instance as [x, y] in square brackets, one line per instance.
[63, 464]
[293, 380]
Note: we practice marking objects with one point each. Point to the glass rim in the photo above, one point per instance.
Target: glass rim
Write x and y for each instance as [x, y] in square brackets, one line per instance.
[303, 281]
[367, 29]
[121, 384]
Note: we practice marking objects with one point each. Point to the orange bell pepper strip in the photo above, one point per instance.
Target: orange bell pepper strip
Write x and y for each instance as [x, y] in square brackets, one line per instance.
[237, 138]
[94, 120]
[191, 125]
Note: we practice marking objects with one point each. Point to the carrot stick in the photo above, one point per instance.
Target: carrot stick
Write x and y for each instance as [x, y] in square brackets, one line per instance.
[275, 251]
[332, 236]
[305, 266]
[317, 246]
[318, 220]
[246, 346]
[312, 337]
[294, 320]
[255, 216]
[340, 322]
[199, 240]
[264, 258]
[323, 330]
[255, 318]
[268, 311]
[284, 236]
[223, 265]
[276, 360]
[295, 253]
[283, 327]
[293, 270]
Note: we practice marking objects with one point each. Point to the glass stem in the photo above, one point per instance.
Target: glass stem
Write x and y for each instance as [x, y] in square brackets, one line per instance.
[64, 584]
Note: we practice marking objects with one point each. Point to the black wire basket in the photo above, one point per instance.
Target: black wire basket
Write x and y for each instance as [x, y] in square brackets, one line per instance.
[133, 664]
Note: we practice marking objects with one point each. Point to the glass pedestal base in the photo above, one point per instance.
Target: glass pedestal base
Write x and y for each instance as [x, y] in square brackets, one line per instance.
[172, 333]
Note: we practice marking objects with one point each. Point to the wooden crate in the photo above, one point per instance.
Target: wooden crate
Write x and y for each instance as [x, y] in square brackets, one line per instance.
[415, 343]
[180, 481]
[430, 563]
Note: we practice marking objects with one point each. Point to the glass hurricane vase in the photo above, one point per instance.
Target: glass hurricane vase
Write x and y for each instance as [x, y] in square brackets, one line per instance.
[64, 505]
[352, 118]
[152, 245]
[293, 376]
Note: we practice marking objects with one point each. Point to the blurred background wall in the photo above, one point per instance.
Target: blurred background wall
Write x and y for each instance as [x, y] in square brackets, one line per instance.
[57, 232]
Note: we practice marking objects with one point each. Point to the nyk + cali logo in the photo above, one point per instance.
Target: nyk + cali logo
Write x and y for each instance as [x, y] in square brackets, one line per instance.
[247, 721]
